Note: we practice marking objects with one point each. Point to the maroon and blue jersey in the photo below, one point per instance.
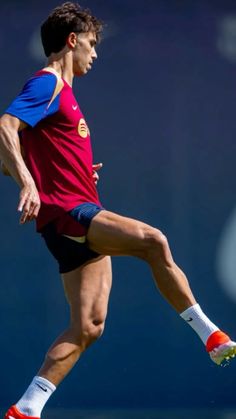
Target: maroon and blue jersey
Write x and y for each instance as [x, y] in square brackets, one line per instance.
[57, 146]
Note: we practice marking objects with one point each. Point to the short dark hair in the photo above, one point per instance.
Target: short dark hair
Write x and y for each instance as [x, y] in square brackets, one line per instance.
[64, 19]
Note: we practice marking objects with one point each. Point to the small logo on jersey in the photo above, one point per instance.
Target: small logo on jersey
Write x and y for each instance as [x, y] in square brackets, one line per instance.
[190, 319]
[82, 128]
[74, 107]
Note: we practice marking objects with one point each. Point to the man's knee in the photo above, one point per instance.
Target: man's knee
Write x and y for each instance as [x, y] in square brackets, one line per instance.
[156, 246]
[93, 331]
[89, 332]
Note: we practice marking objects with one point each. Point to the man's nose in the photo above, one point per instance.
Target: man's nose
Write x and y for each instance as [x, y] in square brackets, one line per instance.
[94, 54]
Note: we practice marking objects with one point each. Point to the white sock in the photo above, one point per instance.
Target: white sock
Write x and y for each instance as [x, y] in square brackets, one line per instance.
[195, 317]
[34, 399]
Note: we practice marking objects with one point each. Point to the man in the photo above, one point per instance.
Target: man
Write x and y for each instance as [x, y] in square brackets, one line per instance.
[57, 181]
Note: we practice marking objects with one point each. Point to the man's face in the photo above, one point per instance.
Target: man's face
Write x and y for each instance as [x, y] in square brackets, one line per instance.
[84, 53]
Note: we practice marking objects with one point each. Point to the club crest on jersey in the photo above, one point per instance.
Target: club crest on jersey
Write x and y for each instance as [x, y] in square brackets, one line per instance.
[83, 128]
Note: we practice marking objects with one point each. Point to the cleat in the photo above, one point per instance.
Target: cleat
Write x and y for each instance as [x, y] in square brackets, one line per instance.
[13, 413]
[220, 348]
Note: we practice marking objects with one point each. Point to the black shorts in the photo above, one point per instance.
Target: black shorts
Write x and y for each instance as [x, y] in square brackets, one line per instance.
[71, 253]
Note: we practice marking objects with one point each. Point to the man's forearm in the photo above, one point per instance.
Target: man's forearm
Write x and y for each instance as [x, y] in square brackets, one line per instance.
[10, 155]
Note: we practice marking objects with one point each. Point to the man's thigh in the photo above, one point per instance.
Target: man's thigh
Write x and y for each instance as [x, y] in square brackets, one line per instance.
[113, 234]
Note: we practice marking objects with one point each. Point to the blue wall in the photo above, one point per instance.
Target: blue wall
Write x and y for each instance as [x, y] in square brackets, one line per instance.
[160, 104]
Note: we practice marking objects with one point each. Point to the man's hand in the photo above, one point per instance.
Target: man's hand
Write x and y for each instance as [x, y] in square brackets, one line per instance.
[29, 203]
[96, 168]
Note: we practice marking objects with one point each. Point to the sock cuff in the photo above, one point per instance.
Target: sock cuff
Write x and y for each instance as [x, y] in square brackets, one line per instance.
[202, 325]
[196, 307]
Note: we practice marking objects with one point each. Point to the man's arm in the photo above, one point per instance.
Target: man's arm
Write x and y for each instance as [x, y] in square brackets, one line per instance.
[10, 155]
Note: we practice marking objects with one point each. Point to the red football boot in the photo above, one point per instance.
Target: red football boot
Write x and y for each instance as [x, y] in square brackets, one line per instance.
[220, 347]
[13, 413]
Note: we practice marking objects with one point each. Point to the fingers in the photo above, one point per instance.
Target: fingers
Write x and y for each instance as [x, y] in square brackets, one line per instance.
[29, 204]
[97, 166]
[95, 177]
[29, 214]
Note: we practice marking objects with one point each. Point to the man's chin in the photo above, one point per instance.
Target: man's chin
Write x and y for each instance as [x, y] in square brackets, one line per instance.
[82, 72]
[79, 73]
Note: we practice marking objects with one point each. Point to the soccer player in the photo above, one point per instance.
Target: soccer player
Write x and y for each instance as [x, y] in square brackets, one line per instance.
[57, 181]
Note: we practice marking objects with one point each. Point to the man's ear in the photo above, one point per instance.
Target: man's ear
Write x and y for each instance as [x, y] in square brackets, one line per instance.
[71, 40]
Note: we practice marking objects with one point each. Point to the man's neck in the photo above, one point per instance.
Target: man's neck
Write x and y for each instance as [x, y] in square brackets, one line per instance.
[62, 68]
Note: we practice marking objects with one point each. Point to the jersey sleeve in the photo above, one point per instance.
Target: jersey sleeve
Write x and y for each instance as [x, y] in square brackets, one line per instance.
[38, 99]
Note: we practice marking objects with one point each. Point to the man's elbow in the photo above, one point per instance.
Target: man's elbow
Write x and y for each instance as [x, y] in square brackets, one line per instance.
[11, 123]
[6, 128]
